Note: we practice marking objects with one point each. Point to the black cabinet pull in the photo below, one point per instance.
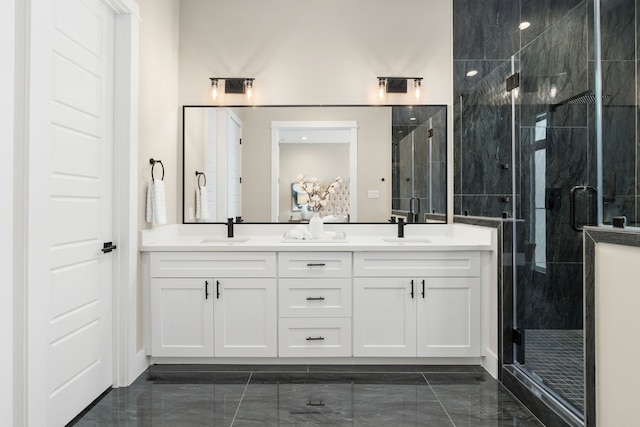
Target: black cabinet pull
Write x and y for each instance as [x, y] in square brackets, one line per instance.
[318, 403]
[412, 289]
[319, 264]
[423, 288]
[315, 298]
[217, 289]
[206, 289]
[315, 338]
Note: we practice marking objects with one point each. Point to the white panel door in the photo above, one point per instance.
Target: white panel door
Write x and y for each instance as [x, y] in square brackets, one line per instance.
[384, 317]
[234, 172]
[182, 317]
[245, 317]
[449, 317]
[71, 207]
[210, 162]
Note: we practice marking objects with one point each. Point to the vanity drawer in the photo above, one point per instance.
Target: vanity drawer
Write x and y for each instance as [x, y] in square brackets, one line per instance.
[314, 264]
[417, 264]
[315, 297]
[315, 337]
[213, 264]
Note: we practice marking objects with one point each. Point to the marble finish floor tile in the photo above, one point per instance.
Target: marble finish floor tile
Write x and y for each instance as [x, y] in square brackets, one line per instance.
[314, 395]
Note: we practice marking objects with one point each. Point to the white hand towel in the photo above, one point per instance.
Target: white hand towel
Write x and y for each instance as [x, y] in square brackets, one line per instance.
[156, 203]
[198, 204]
[204, 203]
[149, 208]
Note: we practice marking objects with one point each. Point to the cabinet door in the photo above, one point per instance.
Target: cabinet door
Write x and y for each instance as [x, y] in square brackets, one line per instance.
[449, 317]
[245, 315]
[384, 317]
[181, 317]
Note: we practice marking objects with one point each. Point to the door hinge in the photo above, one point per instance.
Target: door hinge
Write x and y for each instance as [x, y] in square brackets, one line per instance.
[240, 141]
[513, 81]
[240, 180]
[517, 336]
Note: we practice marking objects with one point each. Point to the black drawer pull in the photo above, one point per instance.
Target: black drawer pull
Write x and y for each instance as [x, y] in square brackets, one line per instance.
[319, 264]
[315, 298]
[318, 403]
[315, 338]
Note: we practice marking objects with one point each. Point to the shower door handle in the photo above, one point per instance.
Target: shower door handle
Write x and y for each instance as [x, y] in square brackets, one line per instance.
[572, 205]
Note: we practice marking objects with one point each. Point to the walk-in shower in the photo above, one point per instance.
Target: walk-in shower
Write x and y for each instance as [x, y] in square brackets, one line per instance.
[546, 139]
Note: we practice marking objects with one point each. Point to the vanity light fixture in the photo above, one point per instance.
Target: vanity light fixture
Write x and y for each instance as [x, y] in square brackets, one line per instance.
[382, 87]
[417, 86]
[214, 89]
[248, 88]
[398, 85]
[232, 85]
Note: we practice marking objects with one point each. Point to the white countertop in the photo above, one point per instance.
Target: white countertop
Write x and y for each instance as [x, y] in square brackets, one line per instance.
[213, 238]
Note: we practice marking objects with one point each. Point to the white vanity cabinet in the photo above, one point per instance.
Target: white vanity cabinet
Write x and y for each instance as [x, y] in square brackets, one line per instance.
[181, 317]
[314, 304]
[424, 304]
[206, 304]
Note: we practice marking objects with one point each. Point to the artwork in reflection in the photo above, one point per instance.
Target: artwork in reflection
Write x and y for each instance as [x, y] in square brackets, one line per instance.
[391, 159]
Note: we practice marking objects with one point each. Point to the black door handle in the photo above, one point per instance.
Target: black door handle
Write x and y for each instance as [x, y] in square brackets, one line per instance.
[217, 289]
[412, 289]
[206, 289]
[108, 247]
[423, 289]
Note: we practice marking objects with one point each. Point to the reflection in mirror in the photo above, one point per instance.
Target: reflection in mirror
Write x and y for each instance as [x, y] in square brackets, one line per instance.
[392, 160]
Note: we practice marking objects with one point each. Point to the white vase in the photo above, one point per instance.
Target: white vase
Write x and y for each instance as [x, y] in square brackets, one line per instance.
[305, 212]
[316, 226]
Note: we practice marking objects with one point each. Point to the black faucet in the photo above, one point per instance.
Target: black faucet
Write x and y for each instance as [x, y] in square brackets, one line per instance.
[229, 227]
[401, 224]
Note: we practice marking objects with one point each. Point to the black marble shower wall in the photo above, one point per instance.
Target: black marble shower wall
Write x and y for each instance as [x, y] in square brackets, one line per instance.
[621, 182]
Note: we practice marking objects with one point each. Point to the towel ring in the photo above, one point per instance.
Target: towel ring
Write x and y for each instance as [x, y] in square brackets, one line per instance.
[201, 174]
[153, 165]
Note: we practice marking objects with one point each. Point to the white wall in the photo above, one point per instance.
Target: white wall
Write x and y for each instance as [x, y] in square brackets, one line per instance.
[315, 52]
[159, 120]
[159, 112]
[7, 84]
[617, 292]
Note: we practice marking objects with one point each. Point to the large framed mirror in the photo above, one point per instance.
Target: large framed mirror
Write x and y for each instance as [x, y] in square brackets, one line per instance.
[247, 161]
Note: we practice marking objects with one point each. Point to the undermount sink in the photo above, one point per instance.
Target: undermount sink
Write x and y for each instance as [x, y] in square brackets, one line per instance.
[219, 240]
[409, 239]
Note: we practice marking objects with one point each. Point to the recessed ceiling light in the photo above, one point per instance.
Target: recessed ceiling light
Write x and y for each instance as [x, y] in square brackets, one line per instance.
[524, 25]
[472, 73]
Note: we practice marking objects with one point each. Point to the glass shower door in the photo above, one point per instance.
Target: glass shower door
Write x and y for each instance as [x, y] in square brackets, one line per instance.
[555, 173]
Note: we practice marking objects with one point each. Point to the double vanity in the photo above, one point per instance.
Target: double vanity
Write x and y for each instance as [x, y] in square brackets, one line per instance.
[360, 296]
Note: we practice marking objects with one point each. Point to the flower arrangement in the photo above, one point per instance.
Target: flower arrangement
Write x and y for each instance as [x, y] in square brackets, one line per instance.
[317, 192]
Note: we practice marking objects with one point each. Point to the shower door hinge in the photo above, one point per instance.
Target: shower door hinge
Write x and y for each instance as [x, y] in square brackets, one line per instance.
[517, 337]
[513, 81]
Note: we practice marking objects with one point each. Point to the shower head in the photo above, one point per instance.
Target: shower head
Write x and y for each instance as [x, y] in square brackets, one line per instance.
[583, 98]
